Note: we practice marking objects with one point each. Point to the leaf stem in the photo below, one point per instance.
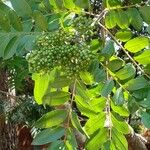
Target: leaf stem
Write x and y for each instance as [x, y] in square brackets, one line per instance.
[70, 109]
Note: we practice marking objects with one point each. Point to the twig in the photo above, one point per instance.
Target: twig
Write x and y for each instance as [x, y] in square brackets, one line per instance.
[123, 7]
[124, 50]
[70, 109]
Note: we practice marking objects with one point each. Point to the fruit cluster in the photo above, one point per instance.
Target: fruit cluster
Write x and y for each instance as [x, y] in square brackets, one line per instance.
[84, 26]
[60, 49]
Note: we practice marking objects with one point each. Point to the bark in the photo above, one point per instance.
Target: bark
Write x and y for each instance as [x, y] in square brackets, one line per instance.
[136, 142]
[8, 140]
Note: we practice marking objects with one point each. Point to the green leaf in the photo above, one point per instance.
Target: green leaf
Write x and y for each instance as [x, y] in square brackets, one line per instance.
[84, 107]
[121, 110]
[22, 8]
[41, 85]
[122, 19]
[126, 72]
[10, 49]
[136, 19]
[82, 3]
[69, 4]
[110, 19]
[148, 29]
[115, 64]
[86, 77]
[113, 3]
[40, 20]
[4, 40]
[141, 93]
[51, 119]
[109, 49]
[124, 35]
[4, 21]
[136, 84]
[119, 141]
[143, 58]
[76, 123]
[95, 122]
[145, 13]
[96, 44]
[120, 125]
[60, 82]
[48, 135]
[132, 105]
[5, 9]
[56, 145]
[81, 91]
[137, 44]
[56, 98]
[15, 21]
[118, 97]
[146, 119]
[71, 139]
[147, 69]
[106, 90]
[97, 141]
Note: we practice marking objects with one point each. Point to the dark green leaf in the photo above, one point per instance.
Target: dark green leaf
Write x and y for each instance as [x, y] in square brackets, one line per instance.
[148, 29]
[136, 84]
[146, 119]
[10, 49]
[48, 135]
[4, 40]
[136, 19]
[118, 97]
[145, 13]
[109, 49]
[4, 21]
[22, 8]
[51, 119]
[40, 20]
[15, 21]
[106, 90]
[56, 145]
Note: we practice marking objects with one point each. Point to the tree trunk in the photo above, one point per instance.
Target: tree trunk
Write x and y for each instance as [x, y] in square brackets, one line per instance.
[8, 136]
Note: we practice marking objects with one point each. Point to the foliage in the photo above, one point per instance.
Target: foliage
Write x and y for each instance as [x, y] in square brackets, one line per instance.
[60, 38]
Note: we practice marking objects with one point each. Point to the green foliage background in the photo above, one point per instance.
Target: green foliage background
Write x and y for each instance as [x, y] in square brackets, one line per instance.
[98, 102]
